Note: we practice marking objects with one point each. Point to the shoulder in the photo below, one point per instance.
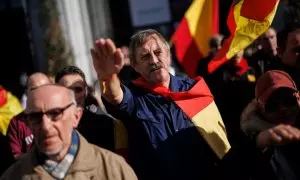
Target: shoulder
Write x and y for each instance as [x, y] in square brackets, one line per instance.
[108, 156]
[114, 164]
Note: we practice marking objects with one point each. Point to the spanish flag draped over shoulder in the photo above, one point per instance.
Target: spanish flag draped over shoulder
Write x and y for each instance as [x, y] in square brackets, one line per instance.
[199, 24]
[198, 104]
[247, 20]
[9, 107]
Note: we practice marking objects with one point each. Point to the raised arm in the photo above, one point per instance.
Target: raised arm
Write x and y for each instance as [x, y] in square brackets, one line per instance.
[108, 62]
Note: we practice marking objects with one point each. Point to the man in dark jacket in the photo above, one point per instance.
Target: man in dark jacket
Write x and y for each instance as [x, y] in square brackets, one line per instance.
[95, 125]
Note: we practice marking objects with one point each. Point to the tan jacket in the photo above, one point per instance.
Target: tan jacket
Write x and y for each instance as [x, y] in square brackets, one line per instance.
[91, 162]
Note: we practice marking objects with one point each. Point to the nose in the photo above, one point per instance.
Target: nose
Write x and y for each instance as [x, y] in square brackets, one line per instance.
[153, 58]
[46, 122]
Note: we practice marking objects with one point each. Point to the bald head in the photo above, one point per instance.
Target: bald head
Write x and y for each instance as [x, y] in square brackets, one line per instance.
[49, 92]
[36, 80]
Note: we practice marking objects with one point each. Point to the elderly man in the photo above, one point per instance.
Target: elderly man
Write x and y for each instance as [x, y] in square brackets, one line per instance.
[174, 128]
[61, 152]
[19, 135]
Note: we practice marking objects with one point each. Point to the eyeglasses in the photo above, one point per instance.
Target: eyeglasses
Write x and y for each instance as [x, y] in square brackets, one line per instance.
[53, 114]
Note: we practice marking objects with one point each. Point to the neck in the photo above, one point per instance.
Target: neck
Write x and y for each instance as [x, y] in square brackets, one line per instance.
[165, 83]
[59, 156]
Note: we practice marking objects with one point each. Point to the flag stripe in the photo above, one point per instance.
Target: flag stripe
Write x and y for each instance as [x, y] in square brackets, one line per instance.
[3, 96]
[215, 18]
[192, 106]
[202, 26]
[191, 37]
[210, 125]
[258, 14]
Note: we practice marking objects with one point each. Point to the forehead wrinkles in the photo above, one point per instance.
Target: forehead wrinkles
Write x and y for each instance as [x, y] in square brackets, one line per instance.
[151, 43]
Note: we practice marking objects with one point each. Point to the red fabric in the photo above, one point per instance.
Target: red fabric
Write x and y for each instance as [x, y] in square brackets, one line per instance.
[242, 67]
[258, 14]
[19, 136]
[191, 102]
[3, 96]
[220, 58]
[186, 50]
[215, 18]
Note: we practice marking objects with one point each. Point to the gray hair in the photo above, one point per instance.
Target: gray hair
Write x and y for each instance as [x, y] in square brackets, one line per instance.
[139, 39]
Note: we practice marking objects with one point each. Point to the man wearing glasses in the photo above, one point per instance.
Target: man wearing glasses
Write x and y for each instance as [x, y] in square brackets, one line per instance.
[61, 152]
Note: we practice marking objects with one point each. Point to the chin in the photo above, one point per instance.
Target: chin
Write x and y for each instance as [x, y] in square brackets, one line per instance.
[53, 151]
[159, 77]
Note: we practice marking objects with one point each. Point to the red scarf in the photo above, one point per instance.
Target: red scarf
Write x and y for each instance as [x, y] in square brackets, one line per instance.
[198, 97]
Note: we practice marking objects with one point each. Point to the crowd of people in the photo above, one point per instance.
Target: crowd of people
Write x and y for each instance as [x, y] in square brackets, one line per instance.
[239, 122]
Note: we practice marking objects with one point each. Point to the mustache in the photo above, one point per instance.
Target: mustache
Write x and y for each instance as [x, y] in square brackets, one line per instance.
[154, 67]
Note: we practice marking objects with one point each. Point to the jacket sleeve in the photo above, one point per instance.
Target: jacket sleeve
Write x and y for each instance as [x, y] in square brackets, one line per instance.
[251, 121]
[15, 142]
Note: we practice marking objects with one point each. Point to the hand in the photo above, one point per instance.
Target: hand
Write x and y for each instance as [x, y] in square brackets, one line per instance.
[278, 135]
[107, 59]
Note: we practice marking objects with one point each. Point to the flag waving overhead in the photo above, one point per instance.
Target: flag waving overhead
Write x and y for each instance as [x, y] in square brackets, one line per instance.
[9, 107]
[198, 104]
[247, 20]
[199, 24]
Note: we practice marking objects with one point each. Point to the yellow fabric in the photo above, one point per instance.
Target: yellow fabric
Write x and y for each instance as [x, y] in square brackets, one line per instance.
[199, 18]
[210, 125]
[121, 136]
[8, 111]
[247, 30]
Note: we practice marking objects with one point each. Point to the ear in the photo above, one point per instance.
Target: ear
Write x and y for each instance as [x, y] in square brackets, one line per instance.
[78, 115]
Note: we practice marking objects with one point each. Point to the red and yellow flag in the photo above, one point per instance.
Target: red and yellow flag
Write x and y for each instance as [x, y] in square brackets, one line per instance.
[199, 24]
[247, 20]
[9, 107]
[198, 104]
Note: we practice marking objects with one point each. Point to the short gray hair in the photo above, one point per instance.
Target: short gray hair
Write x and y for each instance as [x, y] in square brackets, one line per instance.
[139, 39]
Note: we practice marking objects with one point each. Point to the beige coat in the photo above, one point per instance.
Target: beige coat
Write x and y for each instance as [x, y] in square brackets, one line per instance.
[91, 162]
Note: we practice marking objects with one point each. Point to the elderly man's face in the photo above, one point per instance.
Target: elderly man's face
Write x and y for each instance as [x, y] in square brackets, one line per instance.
[52, 115]
[77, 84]
[153, 60]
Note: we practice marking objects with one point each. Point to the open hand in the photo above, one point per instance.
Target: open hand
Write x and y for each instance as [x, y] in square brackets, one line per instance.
[107, 59]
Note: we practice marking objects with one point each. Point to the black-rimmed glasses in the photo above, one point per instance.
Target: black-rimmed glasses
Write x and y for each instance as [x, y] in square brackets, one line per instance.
[53, 114]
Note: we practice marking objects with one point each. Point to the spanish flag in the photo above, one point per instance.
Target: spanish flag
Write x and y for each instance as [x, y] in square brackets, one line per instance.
[198, 104]
[199, 24]
[9, 107]
[247, 20]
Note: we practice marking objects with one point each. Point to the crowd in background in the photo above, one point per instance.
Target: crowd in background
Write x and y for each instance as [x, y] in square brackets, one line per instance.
[255, 92]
